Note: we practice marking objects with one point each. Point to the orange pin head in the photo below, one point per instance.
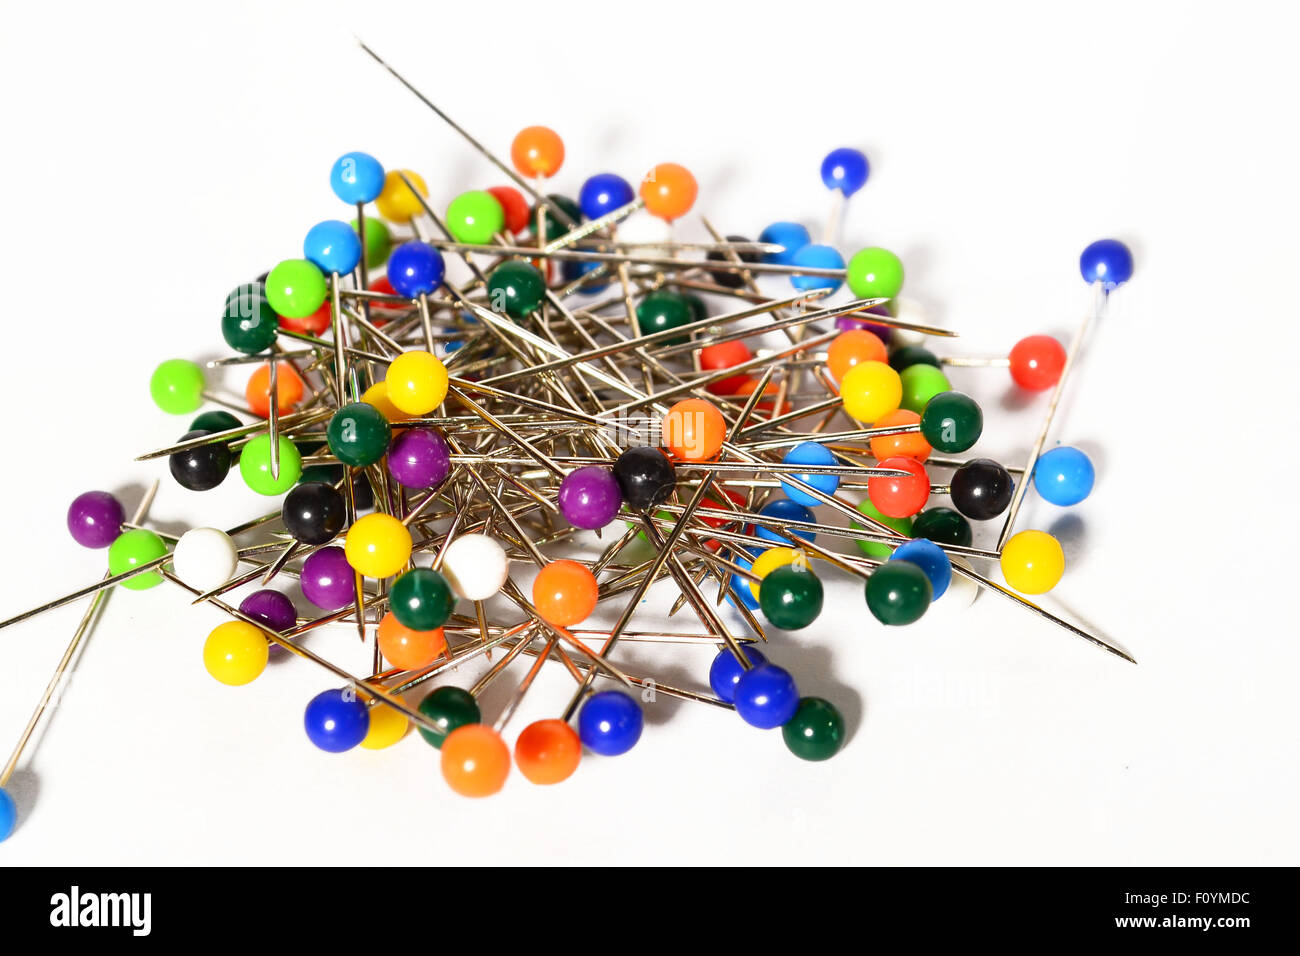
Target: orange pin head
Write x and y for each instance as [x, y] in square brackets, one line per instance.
[537, 152]
[669, 191]
[288, 389]
[694, 430]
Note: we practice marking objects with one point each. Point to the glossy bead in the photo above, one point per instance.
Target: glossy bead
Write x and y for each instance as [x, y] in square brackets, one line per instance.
[255, 465]
[663, 310]
[548, 751]
[327, 580]
[565, 593]
[906, 356]
[476, 566]
[920, 384]
[357, 178]
[415, 268]
[766, 405]
[766, 696]
[815, 256]
[694, 430]
[1032, 562]
[396, 202]
[1064, 476]
[202, 467]
[898, 592]
[333, 474]
[315, 323]
[870, 391]
[177, 387]
[1107, 261]
[313, 512]
[725, 278]
[205, 558]
[791, 235]
[333, 247]
[417, 382]
[791, 597]
[905, 444]
[610, 723]
[130, 550]
[849, 348]
[769, 561]
[378, 545]
[669, 191]
[359, 434]
[419, 458]
[1037, 362]
[900, 497]
[845, 169]
[270, 608]
[810, 453]
[95, 519]
[449, 708]
[537, 152]
[513, 205]
[288, 389]
[421, 599]
[589, 497]
[942, 526]
[738, 588]
[378, 243]
[248, 323]
[235, 653]
[951, 421]
[475, 761]
[725, 671]
[572, 270]
[377, 395]
[877, 549]
[645, 476]
[408, 649]
[475, 217]
[875, 273]
[8, 815]
[214, 421]
[816, 731]
[931, 559]
[388, 725]
[603, 193]
[516, 289]
[785, 510]
[295, 288]
[336, 720]
[981, 489]
[553, 228]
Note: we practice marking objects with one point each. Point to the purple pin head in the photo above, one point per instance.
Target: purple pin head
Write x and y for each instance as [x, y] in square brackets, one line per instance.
[328, 580]
[271, 608]
[419, 458]
[95, 519]
[590, 497]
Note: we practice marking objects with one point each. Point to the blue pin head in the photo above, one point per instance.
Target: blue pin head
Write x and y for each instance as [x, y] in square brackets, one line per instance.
[1107, 261]
[789, 234]
[931, 559]
[603, 193]
[357, 178]
[817, 257]
[415, 268]
[333, 247]
[846, 170]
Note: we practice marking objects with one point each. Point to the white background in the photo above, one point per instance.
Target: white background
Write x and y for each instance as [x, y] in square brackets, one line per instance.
[157, 156]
